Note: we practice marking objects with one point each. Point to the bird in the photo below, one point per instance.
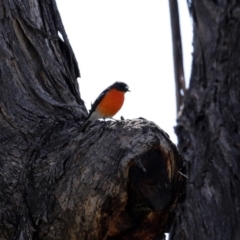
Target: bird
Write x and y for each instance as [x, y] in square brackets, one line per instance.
[108, 103]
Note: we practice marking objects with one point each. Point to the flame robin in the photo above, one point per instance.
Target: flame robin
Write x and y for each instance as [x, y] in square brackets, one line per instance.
[108, 103]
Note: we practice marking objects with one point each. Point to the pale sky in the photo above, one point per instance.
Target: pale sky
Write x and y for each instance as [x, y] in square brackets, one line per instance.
[128, 41]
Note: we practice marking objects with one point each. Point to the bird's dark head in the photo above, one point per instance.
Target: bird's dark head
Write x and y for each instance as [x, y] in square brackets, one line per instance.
[121, 86]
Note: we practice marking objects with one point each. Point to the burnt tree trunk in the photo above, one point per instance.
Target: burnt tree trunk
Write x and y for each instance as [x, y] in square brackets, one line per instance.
[120, 181]
[208, 128]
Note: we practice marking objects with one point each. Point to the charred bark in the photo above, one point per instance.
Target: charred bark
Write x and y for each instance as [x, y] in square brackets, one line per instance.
[208, 128]
[116, 181]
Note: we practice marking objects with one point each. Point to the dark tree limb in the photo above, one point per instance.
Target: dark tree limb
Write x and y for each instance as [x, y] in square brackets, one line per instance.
[123, 190]
[177, 54]
[208, 128]
[120, 181]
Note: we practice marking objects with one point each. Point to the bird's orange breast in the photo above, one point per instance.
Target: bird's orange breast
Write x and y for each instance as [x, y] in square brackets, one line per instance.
[111, 103]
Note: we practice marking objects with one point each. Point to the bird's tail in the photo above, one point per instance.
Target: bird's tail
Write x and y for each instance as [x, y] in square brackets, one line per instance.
[85, 126]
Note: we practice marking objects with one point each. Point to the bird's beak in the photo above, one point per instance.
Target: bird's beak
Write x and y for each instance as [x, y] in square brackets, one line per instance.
[128, 90]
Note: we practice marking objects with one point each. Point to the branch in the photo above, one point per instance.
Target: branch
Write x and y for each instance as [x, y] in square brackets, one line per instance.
[120, 181]
[177, 53]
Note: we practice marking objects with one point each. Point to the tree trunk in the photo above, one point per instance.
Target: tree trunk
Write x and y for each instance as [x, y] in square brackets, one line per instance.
[116, 181]
[208, 128]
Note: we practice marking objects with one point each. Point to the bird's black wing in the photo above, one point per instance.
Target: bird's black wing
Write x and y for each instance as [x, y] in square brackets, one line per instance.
[93, 107]
[98, 100]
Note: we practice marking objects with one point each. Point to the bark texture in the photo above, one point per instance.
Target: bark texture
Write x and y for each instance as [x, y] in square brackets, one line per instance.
[208, 128]
[116, 181]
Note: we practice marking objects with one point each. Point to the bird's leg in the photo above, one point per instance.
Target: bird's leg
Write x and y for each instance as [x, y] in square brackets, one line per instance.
[116, 120]
[105, 123]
